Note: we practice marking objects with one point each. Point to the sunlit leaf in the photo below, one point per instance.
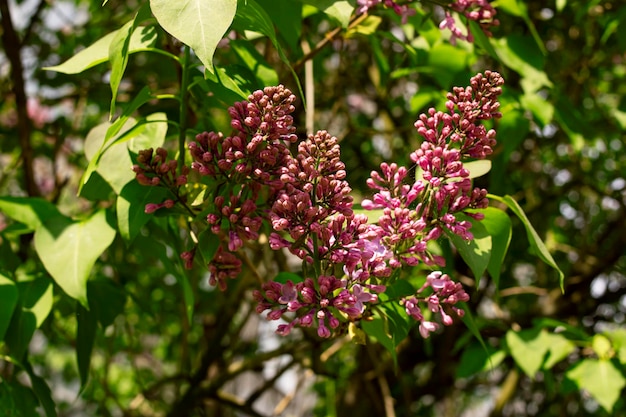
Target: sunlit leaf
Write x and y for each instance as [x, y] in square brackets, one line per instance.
[28, 210]
[340, 10]
[476, 252]
[70, 249]
[528, 347]
[142, 39]
[600, 378]
[201, 24]
[499, 227]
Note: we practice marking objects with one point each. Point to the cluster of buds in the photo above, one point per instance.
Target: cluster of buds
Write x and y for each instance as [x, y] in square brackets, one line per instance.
[317, 302]
[480, 11]
[304, 198]
[154, 169]
[445, 294]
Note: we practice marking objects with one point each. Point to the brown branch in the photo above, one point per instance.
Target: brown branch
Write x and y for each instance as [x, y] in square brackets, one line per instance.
[328, 38]
[12, 47]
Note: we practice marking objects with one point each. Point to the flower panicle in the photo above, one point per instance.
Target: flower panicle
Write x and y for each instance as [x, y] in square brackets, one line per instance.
[479, 11]
[153, 168]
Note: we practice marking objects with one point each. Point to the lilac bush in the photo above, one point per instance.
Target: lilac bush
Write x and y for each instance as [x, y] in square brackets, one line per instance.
[348, 260]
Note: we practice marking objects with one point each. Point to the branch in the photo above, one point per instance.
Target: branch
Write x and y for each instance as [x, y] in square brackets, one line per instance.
[12, 46]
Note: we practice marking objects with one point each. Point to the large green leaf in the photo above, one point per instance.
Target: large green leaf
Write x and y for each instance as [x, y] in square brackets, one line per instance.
[201, 24]
[536, 244]
[70, 249]
[142, 39]
[476, 252]
[8, 301]
[599, 377]
[28, 210]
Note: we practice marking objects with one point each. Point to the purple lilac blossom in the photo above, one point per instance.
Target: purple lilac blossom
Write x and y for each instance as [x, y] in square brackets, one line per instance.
[480, 11]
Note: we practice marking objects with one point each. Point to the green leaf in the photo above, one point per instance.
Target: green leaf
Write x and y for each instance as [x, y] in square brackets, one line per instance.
[600, 378]
[518, 8]
[469, 321]
[114, 164]
[367, 27]
[131, 205]
[112, 132]
[542, 109]
[287, 17]
[107, 300]
[520, 54]
[34, 305]
[208, 243]
[8, 302]
[118, 55]
[536, 244]
[255, 62]
[28, 210]
[251, 16]
[283, 277]
[201, 24]
[391, 325]
[446, 61]
[476, 359]
[618, 339]
[601, 345]
[499, 227]
[482, 40]
[142, 39]
[85, 338]
[340, 10]
[559, 347]
[476, 252]
[70, 249]
[42, 391]
[529, 348]
[377, 328]
[119, 51]
[478, 168]
[17, 400]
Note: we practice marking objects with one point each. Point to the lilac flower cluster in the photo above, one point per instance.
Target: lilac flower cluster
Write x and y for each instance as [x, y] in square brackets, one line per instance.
[363, 6]
[445, 294]
[480, 11]
[304, 198]
[154, 169]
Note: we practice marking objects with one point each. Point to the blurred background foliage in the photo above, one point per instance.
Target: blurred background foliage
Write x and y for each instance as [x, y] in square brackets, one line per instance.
[560, 155]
